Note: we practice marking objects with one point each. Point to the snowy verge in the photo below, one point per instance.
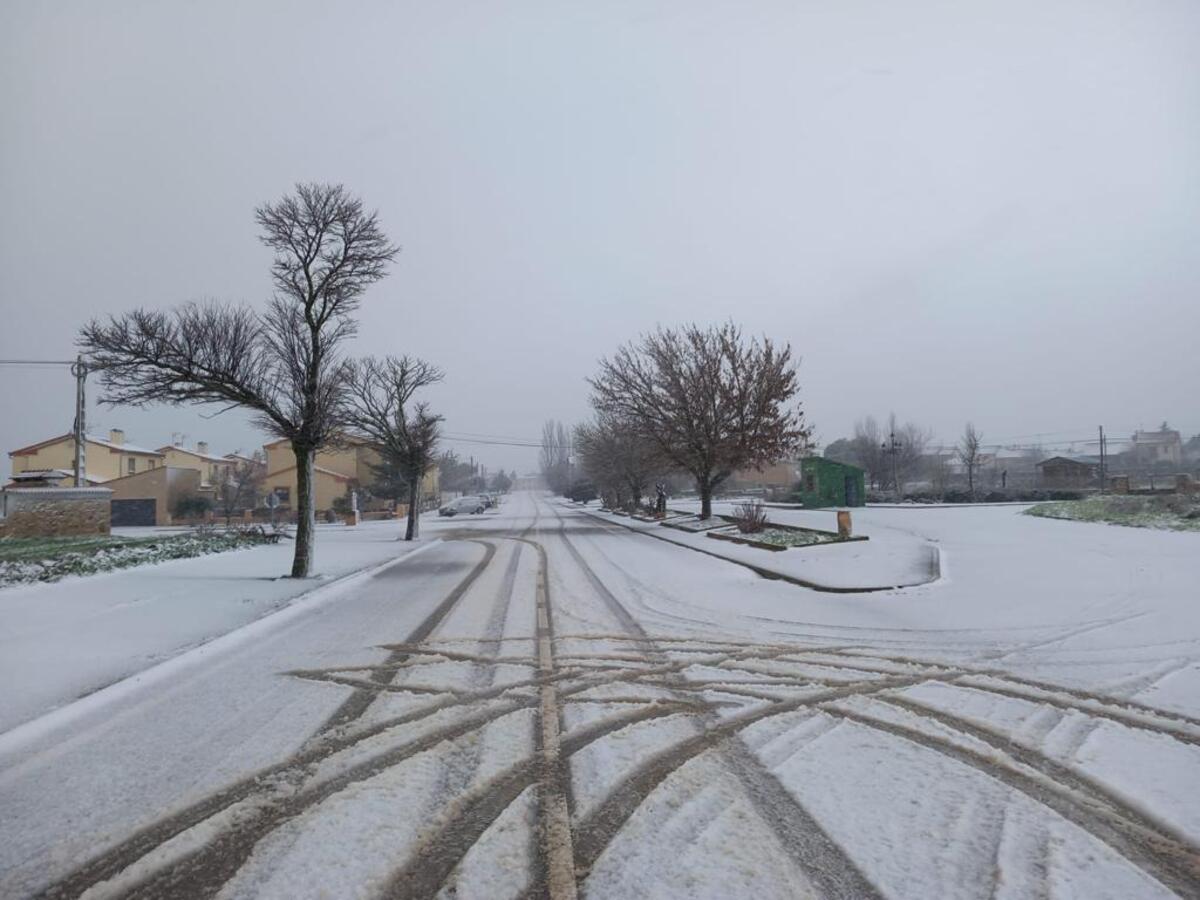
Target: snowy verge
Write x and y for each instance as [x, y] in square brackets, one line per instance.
[893, 561]
[13, 740]
[65, 640]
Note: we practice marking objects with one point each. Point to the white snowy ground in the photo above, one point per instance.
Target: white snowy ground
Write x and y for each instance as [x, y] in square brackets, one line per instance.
[1109, 608]
[545, 703]
[67, 639]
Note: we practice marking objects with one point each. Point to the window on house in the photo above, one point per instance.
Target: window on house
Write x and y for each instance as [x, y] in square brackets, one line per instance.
[150, 464]
[131, 465]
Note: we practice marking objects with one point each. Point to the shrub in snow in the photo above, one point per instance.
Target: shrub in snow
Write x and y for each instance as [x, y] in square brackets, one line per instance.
[750, 517]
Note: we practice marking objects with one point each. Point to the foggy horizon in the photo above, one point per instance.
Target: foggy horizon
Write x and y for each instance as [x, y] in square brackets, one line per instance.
[949, 215]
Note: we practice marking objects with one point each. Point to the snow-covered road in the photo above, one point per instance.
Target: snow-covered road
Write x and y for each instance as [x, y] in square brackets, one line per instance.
[547, 704]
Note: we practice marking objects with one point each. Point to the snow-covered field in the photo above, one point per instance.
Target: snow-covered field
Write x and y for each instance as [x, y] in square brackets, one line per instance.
[548, 704]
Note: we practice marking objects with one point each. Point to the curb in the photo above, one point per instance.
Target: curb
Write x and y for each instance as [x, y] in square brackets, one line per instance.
[779, 576]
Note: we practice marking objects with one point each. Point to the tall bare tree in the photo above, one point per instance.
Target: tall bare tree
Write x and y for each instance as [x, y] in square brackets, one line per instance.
[405, 434]
[868, 452]
[911, 441]
[554, 458]
[969, 451]
[708, 400]
[283, 364]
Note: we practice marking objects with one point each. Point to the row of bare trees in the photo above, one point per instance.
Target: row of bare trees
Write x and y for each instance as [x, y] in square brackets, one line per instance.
[890, 455]
[286, 364]
[703, 401]
[897, 454]
[554, 457]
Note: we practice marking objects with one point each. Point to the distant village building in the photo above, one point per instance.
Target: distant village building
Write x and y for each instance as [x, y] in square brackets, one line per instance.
[1064, 472]
[336, 471]
[107, 458]
[771, 478]
[146, 484]
[1149, 448]
[150, 497]
[212, 469]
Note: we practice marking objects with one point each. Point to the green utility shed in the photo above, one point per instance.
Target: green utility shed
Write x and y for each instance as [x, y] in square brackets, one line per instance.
[824, 482]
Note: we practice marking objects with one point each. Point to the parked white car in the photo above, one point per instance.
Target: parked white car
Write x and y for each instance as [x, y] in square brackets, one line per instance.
[472, 505]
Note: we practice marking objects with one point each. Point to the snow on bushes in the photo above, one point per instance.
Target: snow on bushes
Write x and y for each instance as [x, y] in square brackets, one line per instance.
[25, 562]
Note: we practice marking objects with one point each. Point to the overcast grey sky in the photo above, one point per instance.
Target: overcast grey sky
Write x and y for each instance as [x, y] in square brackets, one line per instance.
[985, 210]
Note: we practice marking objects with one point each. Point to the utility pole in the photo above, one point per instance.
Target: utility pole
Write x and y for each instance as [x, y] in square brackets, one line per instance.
[79, 370]
[1103, 478]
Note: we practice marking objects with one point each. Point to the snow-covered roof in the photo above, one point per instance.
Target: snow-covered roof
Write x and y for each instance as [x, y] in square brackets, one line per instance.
[91, 439]
[1156, 437]
[181, 449]
[46, 474]
[122, 447]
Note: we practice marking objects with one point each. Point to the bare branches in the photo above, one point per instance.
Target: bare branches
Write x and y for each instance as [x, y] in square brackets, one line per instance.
[328, 250]
[970, 448]
[382, 409]
[554, 457]
[283, 364]
[198, 353]
[708, 400]
[618, 459]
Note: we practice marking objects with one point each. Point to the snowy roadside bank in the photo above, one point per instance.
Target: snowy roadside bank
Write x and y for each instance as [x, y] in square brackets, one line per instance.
[65, 640]
[892, 560]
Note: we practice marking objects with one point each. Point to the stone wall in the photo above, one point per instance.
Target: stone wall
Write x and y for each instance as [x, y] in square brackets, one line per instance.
[54, 512]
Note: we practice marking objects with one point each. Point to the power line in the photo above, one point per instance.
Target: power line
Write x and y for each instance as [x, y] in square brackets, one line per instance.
[36, 362]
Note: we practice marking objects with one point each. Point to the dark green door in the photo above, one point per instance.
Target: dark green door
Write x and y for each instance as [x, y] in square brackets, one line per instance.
[851, 498]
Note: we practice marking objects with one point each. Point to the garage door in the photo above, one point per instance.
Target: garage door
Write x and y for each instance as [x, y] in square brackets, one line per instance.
[132, 512]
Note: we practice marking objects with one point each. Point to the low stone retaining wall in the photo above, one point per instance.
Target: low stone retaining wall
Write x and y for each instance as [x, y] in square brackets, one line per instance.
[55, 512]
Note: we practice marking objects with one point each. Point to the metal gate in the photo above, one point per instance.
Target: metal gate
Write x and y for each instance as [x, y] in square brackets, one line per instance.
[133, 512]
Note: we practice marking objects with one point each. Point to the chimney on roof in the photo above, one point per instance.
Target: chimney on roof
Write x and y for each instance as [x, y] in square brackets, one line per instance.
[116, 436]
[202, 447]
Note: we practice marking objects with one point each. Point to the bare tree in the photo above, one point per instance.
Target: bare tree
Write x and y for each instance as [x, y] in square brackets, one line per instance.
[283, 364]
[618, 458]
[239, 487]
[404, 434]
[969, 450]
[554, 458]
[709, 401]
[937, 469]
[868, 451]
[911, 441]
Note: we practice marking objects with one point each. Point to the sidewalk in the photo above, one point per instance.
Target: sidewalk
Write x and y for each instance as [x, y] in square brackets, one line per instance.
[887, 561]
[65, 640]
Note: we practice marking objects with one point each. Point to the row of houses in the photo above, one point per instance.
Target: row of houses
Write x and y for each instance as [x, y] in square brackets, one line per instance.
[147, 484]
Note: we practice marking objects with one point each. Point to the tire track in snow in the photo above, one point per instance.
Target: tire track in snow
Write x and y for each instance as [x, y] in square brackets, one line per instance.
[826, 865]
[1175, 866]
[357, 703]
[1139, 840]
[147, 838]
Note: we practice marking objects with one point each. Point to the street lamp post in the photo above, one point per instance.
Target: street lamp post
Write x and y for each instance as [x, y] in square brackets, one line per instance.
[891, 445]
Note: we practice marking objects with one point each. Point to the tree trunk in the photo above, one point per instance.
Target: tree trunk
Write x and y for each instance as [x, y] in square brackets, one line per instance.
[305, 522]
[414, 510]
[705, 498]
